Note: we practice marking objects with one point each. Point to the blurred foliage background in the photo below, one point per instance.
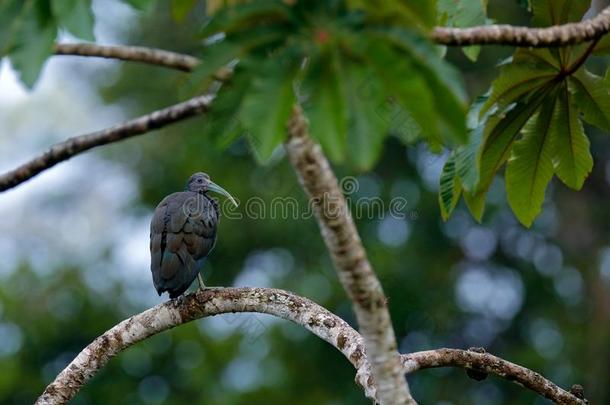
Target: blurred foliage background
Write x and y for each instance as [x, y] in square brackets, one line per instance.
[74, 249]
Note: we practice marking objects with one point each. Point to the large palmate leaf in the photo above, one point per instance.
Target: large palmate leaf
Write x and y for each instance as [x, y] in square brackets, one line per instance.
[402, 82]
[368, 118]
[326, 105]
[444, 83]
[501, 131]
[530, 167]
[223, 124]
[520, 78]
[267, 106]
[490, 145]
[541, 95]
[573, 161]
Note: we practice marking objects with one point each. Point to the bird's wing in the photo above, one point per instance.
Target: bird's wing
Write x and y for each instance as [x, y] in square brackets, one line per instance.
[200, 229]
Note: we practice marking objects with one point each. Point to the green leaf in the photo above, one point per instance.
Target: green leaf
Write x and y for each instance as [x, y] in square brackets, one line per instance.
[415, 13]
[214, 57]
[530, 167]
[541, 58]
[573, 161]
[402, 81]
[515, 81]
[554, 12]
[267, 107]
[28, 59]
[592, 96]
[222, 123]
[368, 118]
[472, 52]
[242, 17]
[501, 131]
[140, 4]
[181, 8]
[424, 10]
[76, 16]
[603, 46]
[14, 14]
[463, 13]
[444, 83]
[466, 159]
[326, 107]
[219, 54]
[449, 187]
[29, 36]
[402, 124]
[475, 201]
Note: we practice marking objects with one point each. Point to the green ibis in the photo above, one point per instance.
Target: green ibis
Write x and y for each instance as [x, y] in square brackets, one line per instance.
[182, 234]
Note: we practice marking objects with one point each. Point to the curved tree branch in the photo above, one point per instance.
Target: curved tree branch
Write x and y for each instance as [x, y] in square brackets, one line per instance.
[349, 258]
[208, 302]
[318, 320]
[558, 35]
[73, 146]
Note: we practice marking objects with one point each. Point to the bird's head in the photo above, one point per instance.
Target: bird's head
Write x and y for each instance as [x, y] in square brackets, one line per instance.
[201, 183]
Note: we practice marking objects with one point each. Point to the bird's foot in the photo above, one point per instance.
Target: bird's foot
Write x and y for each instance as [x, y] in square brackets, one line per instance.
[201, 283]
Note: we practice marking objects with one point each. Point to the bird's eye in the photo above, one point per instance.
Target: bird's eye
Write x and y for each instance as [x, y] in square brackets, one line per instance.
[199, 181]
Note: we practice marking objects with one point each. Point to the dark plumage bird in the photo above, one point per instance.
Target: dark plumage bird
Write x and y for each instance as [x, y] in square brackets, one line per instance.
[182, 234]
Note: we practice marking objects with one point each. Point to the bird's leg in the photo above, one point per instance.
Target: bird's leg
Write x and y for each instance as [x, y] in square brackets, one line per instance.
[201, 283]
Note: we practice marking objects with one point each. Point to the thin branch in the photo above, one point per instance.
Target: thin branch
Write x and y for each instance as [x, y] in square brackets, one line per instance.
[489, 364]
[73, 146]
[349, 258]
[142, 54]
[150, 56]
[306, 313]
[558, 35]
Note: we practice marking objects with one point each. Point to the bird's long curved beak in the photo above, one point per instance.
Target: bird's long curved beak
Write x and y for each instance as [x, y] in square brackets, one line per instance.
[216, 188]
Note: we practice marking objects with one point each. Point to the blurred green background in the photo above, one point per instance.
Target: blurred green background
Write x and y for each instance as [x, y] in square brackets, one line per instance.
[74, 251]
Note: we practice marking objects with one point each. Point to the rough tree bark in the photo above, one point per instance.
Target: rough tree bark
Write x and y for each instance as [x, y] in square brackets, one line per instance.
[349, 258]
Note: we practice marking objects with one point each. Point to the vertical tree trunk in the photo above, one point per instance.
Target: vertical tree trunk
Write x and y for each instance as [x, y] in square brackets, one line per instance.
[350, 261]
